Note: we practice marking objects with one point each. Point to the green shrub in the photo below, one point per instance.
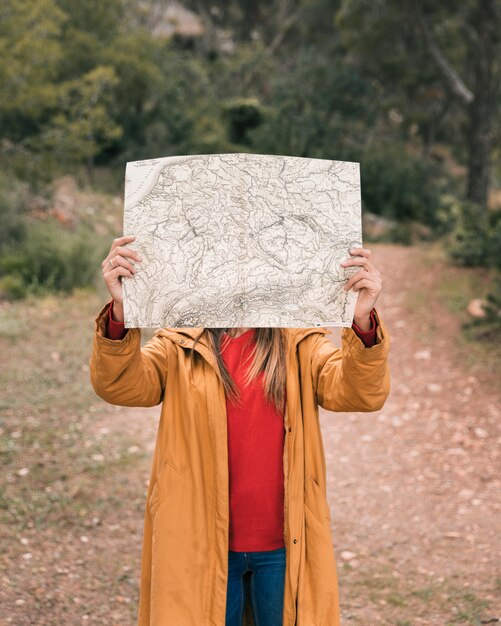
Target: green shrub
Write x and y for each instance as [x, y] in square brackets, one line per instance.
[51, 259]
[475, 240]
[13, 287]
[241, 115]
[400, 232]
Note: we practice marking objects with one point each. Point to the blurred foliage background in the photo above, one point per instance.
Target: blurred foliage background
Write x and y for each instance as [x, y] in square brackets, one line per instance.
[409, 89]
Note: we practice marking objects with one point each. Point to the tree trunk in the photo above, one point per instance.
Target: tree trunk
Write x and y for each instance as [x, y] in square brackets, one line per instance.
[482, 34]
[482, 109]
[480, 138]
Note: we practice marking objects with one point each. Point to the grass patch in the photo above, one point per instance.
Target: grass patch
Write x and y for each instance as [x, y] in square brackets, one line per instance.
[53, 470]
[467, 607]
[396, 599]
[453, 287]
[425, 594]
[401, 599]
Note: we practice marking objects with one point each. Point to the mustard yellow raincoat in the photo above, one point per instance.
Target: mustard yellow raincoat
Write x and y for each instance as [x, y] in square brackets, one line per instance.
[185, 542]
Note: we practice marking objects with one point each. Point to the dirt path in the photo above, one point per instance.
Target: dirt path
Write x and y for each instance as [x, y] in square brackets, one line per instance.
[414, 488]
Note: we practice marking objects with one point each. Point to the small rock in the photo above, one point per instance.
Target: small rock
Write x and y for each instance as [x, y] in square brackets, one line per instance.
[23, 471]
[422, 354]
[346, 555]
[434, 387]
[457, 451]
[476, 307]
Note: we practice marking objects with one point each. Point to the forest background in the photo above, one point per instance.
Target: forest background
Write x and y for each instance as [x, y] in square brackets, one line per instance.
[409, 89]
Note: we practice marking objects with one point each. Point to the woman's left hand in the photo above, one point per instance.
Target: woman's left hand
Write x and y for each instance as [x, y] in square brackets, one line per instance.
[367, 281]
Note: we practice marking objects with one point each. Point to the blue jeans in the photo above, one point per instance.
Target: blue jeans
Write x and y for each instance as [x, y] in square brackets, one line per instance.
[267, 581]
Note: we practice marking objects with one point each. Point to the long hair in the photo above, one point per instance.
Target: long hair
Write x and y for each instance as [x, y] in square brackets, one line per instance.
[268, 356]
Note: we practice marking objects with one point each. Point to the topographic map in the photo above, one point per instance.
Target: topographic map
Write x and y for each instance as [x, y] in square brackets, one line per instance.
[240, 239]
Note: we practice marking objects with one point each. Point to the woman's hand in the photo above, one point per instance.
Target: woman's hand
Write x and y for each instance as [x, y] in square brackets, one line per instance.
[368, 281]
[115, 265]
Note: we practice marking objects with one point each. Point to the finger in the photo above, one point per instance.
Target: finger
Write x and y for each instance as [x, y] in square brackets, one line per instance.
[120, 241]
[364, 282]
[117, 242]
[120, 260]
[116, 272]
[360, 276]
[358, 260]
[128, 252]
[361, 251]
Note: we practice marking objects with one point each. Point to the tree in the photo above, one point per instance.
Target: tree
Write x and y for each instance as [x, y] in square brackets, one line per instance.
[30, 50]
[482, 27]
[83, 124]
[392, 40]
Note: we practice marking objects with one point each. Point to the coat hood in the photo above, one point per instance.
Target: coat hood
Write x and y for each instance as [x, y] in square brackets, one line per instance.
[185, 338]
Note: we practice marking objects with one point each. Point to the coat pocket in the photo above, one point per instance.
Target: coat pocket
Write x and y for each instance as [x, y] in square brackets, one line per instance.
[153, 500]
[167, 479]
[316, 501]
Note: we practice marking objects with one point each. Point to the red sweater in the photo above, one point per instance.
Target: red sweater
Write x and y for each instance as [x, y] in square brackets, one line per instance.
[255, 449]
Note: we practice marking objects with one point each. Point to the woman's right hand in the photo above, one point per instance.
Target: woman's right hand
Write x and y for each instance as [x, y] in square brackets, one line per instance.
[118, 263]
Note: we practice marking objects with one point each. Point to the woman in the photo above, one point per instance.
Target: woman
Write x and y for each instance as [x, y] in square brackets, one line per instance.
[238, 482]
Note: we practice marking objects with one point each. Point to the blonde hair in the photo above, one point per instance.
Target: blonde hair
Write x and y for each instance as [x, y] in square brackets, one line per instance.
[268, 356]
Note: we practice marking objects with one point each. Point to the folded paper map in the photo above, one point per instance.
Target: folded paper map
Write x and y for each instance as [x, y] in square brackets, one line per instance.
[241, 239]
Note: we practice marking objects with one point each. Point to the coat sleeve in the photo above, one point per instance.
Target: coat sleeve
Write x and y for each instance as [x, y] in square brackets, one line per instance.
[124, 373]
[353, 377]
